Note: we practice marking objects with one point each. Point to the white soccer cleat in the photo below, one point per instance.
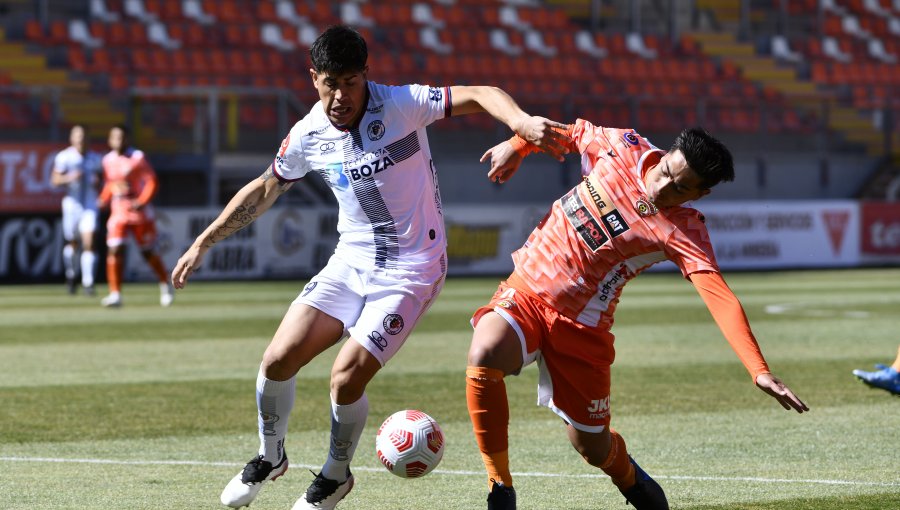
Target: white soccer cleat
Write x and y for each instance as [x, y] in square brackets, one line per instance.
[243, 488]
[324, 493]
[113, 300]
[166, 294]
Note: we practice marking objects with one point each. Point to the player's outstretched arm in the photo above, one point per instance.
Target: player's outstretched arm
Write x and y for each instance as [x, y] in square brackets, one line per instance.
[505, 160]
[780, 392]
[536, 130]
[249, 203]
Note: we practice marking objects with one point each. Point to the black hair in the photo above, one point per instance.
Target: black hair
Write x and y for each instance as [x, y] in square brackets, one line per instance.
[706, 156]
[339, 50]
[124, 129]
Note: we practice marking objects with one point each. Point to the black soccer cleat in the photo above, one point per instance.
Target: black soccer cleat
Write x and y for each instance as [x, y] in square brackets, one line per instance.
[645, 494]
[501, 497]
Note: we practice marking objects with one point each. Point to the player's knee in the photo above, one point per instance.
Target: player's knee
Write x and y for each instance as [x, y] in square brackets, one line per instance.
[346, 385]
[593, 448]
[278, 365]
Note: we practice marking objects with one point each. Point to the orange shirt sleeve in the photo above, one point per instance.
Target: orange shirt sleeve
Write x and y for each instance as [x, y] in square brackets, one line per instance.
[731, 319]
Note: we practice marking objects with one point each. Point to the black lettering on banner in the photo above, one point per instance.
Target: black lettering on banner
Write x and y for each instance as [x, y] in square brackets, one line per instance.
[615, 224]
[584, 223]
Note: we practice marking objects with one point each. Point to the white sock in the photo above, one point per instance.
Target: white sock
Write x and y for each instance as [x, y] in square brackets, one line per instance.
[274, 400]
[69, 261]
[347, 423]
[88, 259]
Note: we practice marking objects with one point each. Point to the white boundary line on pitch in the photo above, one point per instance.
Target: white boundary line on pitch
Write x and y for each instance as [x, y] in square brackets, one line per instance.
[449, 472]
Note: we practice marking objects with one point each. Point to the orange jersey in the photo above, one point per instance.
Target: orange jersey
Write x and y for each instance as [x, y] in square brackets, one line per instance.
[128, 179]
[605, 231]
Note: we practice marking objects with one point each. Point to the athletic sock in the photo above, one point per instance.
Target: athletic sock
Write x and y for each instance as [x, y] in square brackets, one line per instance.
[114, 273]
[88, 259]
[274, 401]
[617, 464]
[69, 261]
[489, 412]
[347, 423]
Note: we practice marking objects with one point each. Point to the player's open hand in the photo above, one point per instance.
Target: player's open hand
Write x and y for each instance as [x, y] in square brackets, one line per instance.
[777, 389]
[540, 132]
[186, 265]
[504, 162]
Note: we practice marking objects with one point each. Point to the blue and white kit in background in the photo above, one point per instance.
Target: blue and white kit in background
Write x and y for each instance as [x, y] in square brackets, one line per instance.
[79, 206]
[390, 260]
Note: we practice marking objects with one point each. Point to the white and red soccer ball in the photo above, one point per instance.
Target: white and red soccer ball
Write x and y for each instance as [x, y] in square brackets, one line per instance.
[409, 443]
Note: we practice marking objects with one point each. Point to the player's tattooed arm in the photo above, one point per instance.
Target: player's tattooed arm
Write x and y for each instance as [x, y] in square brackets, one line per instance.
[248, 204]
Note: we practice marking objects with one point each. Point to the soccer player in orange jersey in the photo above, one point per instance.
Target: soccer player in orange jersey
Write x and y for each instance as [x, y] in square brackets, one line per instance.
[129, 185]
[557, 306]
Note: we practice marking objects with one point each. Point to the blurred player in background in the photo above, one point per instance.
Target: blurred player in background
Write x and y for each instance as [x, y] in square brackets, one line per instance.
[368, 142]
[129, 185]
[557, 306]
[885, 377]
[77, 168]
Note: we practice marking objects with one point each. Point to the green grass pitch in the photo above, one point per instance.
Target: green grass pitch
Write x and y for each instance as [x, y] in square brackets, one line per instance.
[147, 408]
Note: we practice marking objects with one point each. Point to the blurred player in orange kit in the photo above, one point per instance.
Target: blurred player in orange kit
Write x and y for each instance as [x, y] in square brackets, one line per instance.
[129, 185]
[557, 306]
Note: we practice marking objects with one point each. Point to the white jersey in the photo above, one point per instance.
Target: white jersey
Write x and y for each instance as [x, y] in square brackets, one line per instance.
[381, 173]
[83, 190]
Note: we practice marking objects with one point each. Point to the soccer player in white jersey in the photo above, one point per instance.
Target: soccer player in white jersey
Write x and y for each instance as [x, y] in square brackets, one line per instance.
[368, 142]
[78, 169]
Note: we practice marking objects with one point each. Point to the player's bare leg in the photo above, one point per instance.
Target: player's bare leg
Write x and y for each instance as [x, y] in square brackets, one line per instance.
[351, 373]
[495, 352]
[304, 333]
[606, 450]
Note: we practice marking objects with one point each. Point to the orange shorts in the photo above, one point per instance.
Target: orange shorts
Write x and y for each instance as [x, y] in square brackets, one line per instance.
[117, 228]
[573, 359]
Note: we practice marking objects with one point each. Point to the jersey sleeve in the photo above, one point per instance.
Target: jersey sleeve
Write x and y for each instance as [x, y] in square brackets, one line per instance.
[731, 319]
[689, 246]
[422, 104]
[290, 162]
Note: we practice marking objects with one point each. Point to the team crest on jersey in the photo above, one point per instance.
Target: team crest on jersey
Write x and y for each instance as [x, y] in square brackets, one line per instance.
[631, 138]
[375, 130]
[393, 324]
[645, 207]
[435, 94]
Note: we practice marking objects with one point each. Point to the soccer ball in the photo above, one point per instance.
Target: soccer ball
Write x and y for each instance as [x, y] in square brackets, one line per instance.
[409, 443]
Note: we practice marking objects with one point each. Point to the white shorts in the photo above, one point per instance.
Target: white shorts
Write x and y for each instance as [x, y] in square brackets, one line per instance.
[76, 219]
[378, 308]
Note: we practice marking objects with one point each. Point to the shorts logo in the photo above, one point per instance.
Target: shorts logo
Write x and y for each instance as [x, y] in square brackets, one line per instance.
[393, 324]
[615, 224]
[630, 138]
[599, 408]
[377, 340]
[375, 130]
[645, 207]
[506, 304]
[435, 94]
[308, 288]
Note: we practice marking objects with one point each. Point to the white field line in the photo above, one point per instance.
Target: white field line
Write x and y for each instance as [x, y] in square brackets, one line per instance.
[453, 472]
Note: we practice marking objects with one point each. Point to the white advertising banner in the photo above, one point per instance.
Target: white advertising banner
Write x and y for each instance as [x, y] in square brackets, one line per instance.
[783, 234]
[295, 242]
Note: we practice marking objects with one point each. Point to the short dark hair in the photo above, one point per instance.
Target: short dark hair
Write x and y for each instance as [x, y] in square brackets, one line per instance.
[123, 128]
[339, 50]
[706, 156]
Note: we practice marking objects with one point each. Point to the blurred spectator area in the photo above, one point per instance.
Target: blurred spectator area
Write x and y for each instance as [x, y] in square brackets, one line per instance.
[228, 75]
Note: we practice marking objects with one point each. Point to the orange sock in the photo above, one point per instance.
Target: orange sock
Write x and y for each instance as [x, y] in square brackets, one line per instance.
[114, 272]
[157, 265]
[617, 465]
[489, 411]
[896, 365]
